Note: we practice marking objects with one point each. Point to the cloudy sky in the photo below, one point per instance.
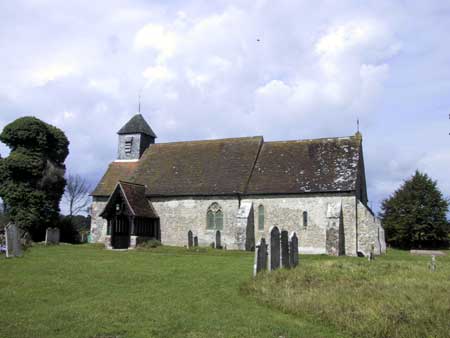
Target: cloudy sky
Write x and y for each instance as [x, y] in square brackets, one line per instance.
[213, 69]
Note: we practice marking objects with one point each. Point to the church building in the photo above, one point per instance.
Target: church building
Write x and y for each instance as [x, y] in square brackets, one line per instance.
[238, 188]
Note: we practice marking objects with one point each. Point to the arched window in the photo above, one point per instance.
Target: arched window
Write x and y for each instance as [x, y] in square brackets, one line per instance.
[210, 219]
[261, 217]
[214, 217]
[305, 219]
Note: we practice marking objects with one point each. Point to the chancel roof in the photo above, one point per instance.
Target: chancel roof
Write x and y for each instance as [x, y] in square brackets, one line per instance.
[245, 165]
[319, 165]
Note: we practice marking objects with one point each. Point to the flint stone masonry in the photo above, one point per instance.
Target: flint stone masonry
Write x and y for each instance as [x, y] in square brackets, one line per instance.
[139, 142]
[13, 246]
[370, 232]
[285, 211]
[178, 215]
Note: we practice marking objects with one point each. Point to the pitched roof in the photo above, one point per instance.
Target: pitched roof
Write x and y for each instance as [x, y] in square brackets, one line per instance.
[211, 167]
[116, 171]
[241, 166]
[137, 125]
[134, 196]
[319, 165]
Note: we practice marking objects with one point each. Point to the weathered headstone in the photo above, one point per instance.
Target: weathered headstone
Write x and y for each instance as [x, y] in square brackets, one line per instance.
[218, 240]
[274, 249]
[285, 263]
[293, 252]
[190, 239]
[261, 256]
[52, 236]
[13, 246]
[432, 264]
[195, 241]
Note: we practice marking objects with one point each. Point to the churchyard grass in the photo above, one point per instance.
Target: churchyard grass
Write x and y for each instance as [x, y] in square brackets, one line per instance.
[86, 291]
[393, 296]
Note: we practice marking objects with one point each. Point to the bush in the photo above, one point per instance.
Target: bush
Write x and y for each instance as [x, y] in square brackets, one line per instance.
[149, 244]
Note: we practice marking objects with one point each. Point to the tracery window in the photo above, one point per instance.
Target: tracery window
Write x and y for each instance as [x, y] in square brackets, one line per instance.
[261, 217]
[214, 217]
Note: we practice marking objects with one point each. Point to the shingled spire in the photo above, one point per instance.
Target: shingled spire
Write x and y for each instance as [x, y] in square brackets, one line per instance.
[134, 137]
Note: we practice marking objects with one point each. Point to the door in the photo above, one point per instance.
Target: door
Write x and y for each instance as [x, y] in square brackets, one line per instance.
[120, 236]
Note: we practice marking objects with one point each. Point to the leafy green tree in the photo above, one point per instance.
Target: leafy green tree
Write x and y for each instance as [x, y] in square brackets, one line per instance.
[32, 176]
[415, 215]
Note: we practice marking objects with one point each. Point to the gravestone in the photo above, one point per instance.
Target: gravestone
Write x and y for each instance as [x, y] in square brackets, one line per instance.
[274, 249]
[218, 240]
[52, 236]
[261, 259]
[293, 250]
[285, 263]
[432, 265]
[190, 239]
[195, 241]
[13, 246]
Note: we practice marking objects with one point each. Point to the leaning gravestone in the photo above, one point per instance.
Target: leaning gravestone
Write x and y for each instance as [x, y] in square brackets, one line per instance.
[293, 252]
[195, 241]
[285, 249]
[274, 249]
[218, 240]
[190, 239]
[52, 236]
[13, 247]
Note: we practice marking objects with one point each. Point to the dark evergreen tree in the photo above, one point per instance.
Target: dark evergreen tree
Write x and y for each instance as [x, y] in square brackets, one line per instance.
[32, 176]
[415, 215]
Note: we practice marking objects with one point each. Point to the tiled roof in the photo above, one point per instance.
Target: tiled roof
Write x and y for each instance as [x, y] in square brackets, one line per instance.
[319, 165]
[137, 125]
[241, 166]
[134, 195]
[212, 167]
[116, 171]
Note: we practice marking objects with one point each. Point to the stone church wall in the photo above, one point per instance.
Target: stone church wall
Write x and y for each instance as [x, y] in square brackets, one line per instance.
[370, 232]
[286, 212]
[98, 224]
[179, 215]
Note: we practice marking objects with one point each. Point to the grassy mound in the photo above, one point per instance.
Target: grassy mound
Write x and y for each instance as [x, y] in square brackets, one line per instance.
[393, 296]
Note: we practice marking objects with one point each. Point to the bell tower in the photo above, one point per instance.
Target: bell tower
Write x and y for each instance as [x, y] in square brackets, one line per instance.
[134, 138]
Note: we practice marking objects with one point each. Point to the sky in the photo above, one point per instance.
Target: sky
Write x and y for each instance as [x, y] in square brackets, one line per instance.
[216, 69]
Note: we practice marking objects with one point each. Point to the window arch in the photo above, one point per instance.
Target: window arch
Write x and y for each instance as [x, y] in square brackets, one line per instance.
[261, 217]
[305, 218]
[214, 217]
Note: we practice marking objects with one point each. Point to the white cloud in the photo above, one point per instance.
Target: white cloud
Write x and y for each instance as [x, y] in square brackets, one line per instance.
[158, 74]
[44, 75]
[156, 37]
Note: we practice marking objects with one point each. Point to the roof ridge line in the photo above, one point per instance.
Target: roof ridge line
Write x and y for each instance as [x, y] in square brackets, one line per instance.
[314, 139]
[210, 140]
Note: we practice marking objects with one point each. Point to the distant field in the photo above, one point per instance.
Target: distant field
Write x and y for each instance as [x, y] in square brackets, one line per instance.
[394, 296]
[86, 291]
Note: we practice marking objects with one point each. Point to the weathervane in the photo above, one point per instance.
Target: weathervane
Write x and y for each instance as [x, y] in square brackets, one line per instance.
[357, 124]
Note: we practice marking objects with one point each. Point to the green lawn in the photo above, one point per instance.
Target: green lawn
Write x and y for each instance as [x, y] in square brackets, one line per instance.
[86, 291]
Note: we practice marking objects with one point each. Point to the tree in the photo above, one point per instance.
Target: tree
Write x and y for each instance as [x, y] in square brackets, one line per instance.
[415, 215]
[32, 176]
[77, 194]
